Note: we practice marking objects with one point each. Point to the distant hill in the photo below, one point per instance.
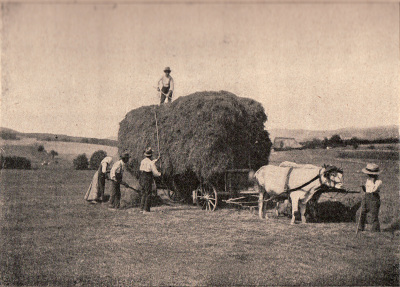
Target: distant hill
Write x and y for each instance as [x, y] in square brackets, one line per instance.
[7, 133]
[7, 130]
[345, 133]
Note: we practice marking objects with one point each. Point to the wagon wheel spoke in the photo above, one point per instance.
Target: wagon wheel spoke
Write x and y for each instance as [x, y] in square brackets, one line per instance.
[206, 197]
[199, 199]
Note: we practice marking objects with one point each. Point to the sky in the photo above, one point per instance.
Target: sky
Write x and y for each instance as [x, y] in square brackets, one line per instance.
[77, 69]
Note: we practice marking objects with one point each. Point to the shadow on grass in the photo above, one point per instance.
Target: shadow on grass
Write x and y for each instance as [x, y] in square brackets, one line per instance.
[381, 276]
[335, 211]
[324, 212]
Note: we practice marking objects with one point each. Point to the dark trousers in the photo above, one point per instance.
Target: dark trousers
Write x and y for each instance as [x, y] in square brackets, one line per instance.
[115, 194]
[101, 182]
[370, 204]
[146, 183]
[165, 91]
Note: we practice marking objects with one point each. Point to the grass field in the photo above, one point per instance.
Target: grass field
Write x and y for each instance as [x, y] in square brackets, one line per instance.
[67, 151]
[50, 236]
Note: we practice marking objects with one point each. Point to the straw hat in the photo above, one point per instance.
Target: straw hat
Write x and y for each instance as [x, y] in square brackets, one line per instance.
[371, 168]
[167, 69]
[148, 152]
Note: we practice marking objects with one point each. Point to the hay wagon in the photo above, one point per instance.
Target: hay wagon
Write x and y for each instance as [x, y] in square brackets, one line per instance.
[232, 187]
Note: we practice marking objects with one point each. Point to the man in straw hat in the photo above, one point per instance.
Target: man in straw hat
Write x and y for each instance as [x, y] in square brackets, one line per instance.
[166, 86]
[371, 201]
[116, 175]
[148, 169]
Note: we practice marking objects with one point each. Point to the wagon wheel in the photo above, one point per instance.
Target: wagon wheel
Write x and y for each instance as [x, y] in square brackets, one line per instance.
[174, 193]
[206, 197]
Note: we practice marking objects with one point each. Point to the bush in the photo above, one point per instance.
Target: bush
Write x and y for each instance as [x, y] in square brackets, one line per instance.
[335, 141]
[203, 134]
[8, 136]
[53, 153]
[355, 145]
[96, 159]
[325, 143]
[81, 162]
[371, 147]
[313, 144]
[15, 162]
[41, 148]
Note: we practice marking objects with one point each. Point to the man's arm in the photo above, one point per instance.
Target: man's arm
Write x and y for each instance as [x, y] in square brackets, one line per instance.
[154, 169]
[104, 167]
[159, 83]
[377, 185]
[171, 85]
[116, 172]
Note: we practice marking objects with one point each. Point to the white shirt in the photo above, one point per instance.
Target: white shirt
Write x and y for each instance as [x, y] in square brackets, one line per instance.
[149, 165]
[118, 167]
[371, 186]
[166, 82]
[104, 163]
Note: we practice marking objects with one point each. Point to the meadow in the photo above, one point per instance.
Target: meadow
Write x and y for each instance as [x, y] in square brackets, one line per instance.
[67, 151]
[51, 236]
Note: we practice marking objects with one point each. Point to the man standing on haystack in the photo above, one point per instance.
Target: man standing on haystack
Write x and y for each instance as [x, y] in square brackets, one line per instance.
[148, 169]
[116, 175]
[166, 86]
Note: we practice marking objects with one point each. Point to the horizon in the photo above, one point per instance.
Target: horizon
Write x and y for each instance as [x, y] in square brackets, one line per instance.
[78, 69]
[116, 136]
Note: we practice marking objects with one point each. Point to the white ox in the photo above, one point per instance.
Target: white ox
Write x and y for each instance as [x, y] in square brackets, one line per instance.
[301, 183]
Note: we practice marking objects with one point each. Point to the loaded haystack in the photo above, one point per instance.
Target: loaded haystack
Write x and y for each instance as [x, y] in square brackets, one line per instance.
[200, 135]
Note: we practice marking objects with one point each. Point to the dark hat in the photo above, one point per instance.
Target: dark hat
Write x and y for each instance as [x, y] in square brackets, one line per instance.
[167, 69]
[371, 168]
[148, 152]
[125, 154]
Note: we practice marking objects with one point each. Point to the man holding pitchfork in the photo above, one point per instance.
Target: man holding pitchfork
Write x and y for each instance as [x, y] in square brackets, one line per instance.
[148, 170]
[166, 86]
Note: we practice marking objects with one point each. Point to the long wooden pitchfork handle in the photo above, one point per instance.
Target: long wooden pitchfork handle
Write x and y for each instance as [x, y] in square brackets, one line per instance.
[361, 210]
[160, 91]
[158, 139]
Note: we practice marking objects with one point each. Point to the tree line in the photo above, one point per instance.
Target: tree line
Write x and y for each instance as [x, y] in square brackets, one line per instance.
[9, 135]
[337, 141]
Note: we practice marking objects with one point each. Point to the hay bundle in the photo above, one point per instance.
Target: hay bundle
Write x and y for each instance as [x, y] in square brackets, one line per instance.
[202, 134]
